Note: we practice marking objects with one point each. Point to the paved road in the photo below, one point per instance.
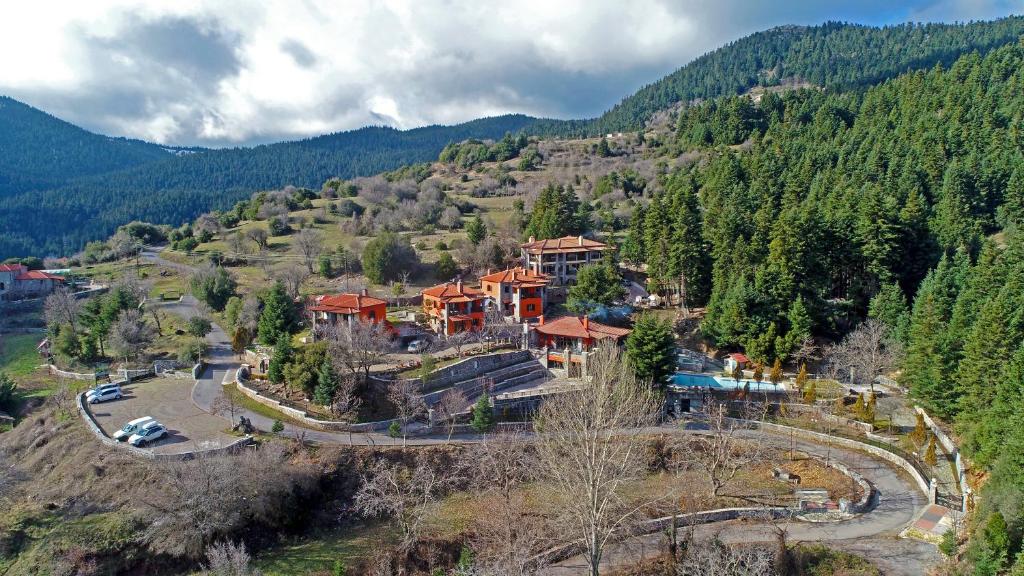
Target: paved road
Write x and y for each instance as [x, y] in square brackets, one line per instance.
[872, 535]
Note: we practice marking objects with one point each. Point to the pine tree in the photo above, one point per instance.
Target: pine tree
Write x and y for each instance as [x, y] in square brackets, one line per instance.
[859, 409]
[483, 415]
[929, 456]
[476, 230]
[811, 393]
[326, 384]
[801, 377]
[651, 349]
[775, 375]
[282, 355]
[276, 319]
[920, 431]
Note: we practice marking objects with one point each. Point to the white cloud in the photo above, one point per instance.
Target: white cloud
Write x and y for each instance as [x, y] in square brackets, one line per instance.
[236, 71]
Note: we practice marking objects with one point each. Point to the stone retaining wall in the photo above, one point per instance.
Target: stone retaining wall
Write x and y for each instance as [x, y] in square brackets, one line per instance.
[83, 410]
[923, 483]
[951, 448]
[304, 417]
[867, 490]
[469, 368]
[566, 551]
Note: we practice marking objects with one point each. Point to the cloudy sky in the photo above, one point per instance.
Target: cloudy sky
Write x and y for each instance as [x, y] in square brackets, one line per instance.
[234, 72]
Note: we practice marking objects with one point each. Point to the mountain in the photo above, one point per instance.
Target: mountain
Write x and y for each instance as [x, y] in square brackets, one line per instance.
[178, 187]
[89, 184]
[40, 151]
[837, 56]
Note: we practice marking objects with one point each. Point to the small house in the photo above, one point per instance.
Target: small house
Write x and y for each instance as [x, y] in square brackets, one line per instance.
[734, 361]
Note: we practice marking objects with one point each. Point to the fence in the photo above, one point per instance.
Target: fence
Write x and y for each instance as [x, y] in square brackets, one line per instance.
[951, 448]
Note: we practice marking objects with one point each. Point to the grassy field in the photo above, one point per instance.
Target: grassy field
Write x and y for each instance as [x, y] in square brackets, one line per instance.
[320, 553]
[18, 355]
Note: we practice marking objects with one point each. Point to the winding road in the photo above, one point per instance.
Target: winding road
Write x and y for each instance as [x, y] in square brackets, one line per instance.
[872, 535]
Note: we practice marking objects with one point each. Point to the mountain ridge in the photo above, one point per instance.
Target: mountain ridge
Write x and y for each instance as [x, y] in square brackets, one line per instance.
[170, 188]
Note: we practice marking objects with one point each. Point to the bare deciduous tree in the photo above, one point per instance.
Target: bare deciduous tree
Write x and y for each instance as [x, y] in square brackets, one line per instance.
[590, 446]
[720, 453]
[61, 307]
[131, 334]
[226, 404]
[865, 354]
[714, 558]
[213, 495]
[310, 244]
[236, 242]
[229, 559]
[459, 340]
[258, 236]
[507, 537]
[292, 276]
[356, 347]
[405, 495]
[451, 403]
[405, 395]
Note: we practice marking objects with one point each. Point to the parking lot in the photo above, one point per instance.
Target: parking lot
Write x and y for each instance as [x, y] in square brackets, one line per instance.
[169, 401]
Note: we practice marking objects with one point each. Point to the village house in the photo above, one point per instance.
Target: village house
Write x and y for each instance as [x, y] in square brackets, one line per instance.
[561, 259]
[567, 341]
[17, 282]
[453, 307]
[331, 310]
[520, 293]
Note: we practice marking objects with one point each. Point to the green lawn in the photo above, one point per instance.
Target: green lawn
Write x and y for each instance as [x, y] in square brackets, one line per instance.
[18, 355]
[319, 554]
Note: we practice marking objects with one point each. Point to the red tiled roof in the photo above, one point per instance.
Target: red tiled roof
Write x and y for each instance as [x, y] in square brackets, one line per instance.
[38, 275]
[517, 276]
[566, 244]
[454, 292]
[344, 303]
[572, 327]
[12, 267]
[739, 357]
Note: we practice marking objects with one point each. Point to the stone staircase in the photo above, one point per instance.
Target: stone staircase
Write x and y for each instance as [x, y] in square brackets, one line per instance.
[526, 370]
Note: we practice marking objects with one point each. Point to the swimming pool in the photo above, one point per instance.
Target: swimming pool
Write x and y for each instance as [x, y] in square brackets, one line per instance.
[691, 380]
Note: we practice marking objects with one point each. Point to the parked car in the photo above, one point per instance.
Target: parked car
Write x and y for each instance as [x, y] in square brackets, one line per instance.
[102, 394]
[417, 346]
[132, 427]
[148, 433]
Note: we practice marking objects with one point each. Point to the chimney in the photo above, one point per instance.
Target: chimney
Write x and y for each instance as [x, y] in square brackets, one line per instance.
[580, 240]
[540, 320]
[586, 324]
[532, 239]
[458, 284]
[364, 292]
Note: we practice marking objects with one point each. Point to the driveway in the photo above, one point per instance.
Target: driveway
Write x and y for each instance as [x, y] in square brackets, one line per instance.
[167, 400]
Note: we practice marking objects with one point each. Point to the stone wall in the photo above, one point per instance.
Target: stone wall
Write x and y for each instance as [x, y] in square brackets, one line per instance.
[469, 368]
[83, 410]
[951, 448]
[923, 484]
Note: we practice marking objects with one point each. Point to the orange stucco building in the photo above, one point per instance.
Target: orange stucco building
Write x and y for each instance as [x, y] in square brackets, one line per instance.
[453, 307]
[337, 308]
[521, 293]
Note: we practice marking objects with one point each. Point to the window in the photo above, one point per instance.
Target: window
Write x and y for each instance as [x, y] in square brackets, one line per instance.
[373, 315]
[529, 308]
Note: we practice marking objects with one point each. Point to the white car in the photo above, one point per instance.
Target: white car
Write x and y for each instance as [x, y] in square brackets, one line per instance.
[417, 346]
[132, 427]
[148, 433]
[103, 393]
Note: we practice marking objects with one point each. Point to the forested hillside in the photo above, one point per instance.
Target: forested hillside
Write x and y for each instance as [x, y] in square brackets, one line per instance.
[183, 186]
[819, 209]
[834, 55]
[40, 151]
